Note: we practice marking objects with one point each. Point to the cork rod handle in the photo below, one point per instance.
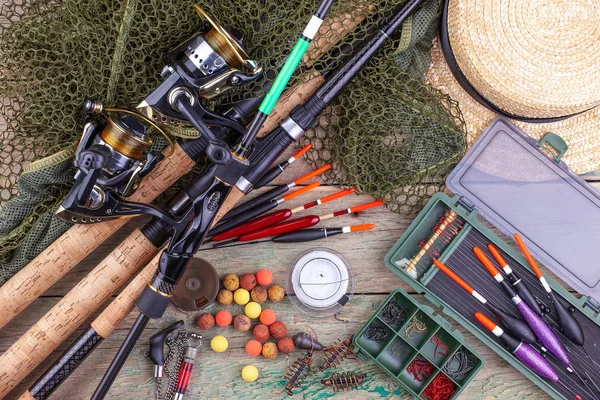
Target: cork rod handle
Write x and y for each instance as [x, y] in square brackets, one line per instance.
[79, 241]
[120, 308]
[73, 309]
[99, 329]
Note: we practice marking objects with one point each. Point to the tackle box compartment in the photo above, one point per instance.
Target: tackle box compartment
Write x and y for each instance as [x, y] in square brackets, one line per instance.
[521, 186]
[394, 353]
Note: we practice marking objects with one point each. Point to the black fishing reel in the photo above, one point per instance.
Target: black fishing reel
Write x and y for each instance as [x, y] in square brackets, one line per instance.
[112, 157]
[206, 65]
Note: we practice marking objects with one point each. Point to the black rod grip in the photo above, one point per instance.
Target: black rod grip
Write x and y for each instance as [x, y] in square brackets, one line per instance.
[65, 365]
[258, 200]
[117, 363]
[202, 182]
[307, 235]
[278, 141]
[240, 219]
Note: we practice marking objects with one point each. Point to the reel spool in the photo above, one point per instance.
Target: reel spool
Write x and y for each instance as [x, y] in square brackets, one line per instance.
[206, 65]
[320, 282]
[197, 287]
[126, 136]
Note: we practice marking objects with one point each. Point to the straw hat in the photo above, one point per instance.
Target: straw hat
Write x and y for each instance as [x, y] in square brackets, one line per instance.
[537, 61]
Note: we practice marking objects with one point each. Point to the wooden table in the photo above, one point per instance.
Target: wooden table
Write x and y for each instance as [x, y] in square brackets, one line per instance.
[218, 375]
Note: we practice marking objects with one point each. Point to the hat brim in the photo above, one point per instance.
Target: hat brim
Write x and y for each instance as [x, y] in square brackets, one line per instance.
[581, 132]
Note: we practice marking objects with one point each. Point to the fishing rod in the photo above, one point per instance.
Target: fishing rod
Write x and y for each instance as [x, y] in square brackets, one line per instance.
[302, 117]
[297, 224]
[304, 235]
[234, 170]
[60, 257]
[212, 202]
[214, 185]
[78, 241]
[128, 258]
[155, 232]
[97, 286]
[120, 145]
[242, 211]
[524, 353]
[98, 330]
[274, 217]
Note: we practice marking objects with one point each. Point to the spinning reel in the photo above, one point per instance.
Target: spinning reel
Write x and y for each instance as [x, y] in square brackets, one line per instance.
[206, 65]
[113, 157]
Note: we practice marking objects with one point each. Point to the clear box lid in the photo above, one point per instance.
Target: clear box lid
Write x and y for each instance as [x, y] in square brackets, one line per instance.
[518, 187]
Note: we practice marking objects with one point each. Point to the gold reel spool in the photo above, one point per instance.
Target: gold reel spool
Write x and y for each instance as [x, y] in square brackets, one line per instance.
[223, 43]
[124, 142]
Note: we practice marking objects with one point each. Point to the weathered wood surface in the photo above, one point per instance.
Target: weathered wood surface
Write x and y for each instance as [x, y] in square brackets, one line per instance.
[217, 375]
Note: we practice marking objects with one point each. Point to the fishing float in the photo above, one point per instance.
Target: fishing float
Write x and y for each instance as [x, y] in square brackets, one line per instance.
[304, 235]
[541, 329]
[517, 327]
[271, 194]
[297, 224]
[274, 172]
[524, 353]
[271, 218]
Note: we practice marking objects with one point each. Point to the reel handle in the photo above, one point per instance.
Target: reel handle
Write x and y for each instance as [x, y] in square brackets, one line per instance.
[90, 163]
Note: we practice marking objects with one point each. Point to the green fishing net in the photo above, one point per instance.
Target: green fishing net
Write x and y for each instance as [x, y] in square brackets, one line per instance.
[57, 53]
[390, 135]
[392, 138]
